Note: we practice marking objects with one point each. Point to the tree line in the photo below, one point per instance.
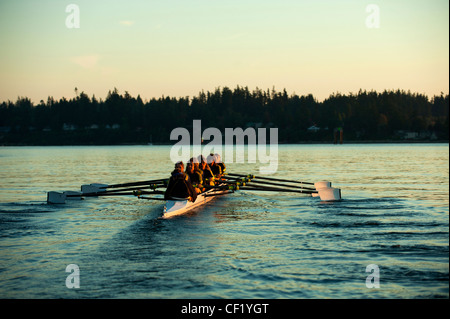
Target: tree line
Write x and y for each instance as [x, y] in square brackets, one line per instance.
[123, 119]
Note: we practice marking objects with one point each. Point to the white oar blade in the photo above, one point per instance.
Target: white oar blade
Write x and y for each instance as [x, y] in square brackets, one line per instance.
[330, 194]
[322, 184]
[56, 198]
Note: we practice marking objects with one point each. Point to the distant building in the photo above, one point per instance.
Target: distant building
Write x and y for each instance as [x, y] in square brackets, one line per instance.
[112, 127]
[69, 127]
[411, 135]
[313, 129]
[407, 135]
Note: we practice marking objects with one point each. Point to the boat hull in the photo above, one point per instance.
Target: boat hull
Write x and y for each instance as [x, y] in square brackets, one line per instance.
[180, 207]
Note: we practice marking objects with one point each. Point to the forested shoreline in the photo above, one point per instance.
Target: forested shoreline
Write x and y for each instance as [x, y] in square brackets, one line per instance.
[389, 116]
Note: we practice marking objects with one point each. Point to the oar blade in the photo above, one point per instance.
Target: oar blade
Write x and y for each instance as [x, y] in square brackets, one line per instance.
[330, 194]
[322, 184]
[56, 198]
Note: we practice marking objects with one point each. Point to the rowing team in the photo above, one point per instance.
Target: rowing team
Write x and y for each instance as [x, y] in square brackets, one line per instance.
[200, 172]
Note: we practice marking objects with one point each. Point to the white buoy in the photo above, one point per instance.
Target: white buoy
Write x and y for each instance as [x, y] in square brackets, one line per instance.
[56, 198]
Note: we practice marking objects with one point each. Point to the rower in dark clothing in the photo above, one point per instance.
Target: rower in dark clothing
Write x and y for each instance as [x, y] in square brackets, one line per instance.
[220, 163]
[180, 186]
[195, 174]
[208, 176]
[216, 169]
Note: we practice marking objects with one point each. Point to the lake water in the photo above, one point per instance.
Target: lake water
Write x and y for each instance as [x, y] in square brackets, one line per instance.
[394, 214]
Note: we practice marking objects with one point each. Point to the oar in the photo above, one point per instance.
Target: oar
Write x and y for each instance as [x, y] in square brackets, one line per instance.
[277, 184]
[247, 181]
[325, 193]
[231, 178]
[270, 189]
[229, 187]
[220, 194]
[96, 187]
[60, 198]
[150, 186]
[118, 193]
[151, 198]
[318, 185]
[141, 191]
[236, 186]
[235, 182]
[155, 181]
[271, 179]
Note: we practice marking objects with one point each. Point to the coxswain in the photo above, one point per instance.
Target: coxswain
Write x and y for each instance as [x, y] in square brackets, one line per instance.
[180, 186]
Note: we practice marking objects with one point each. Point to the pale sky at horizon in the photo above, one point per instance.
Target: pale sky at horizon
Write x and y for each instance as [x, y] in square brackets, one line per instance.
[180, 47]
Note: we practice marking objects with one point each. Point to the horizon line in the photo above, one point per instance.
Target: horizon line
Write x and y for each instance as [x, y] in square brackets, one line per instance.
[220, 88]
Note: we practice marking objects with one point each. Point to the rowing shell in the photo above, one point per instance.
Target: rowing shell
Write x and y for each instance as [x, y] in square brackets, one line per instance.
[182, 206]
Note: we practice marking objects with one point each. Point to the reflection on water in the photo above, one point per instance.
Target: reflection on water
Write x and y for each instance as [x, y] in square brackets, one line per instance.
[246, 245]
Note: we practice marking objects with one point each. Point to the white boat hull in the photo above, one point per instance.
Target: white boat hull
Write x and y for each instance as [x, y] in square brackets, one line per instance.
[180, 207]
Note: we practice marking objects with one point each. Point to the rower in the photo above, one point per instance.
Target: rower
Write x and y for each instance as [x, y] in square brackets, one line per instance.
[207, 174]
[180, 186]
[220, 163]
[216, 169]
[195, 174]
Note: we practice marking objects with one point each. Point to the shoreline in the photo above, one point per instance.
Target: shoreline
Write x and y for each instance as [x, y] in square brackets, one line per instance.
[280, 143]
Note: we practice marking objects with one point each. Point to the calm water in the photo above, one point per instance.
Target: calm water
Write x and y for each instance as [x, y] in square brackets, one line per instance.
[395, 214]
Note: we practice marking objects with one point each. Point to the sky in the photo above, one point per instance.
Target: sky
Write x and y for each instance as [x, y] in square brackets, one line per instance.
[178, 48]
